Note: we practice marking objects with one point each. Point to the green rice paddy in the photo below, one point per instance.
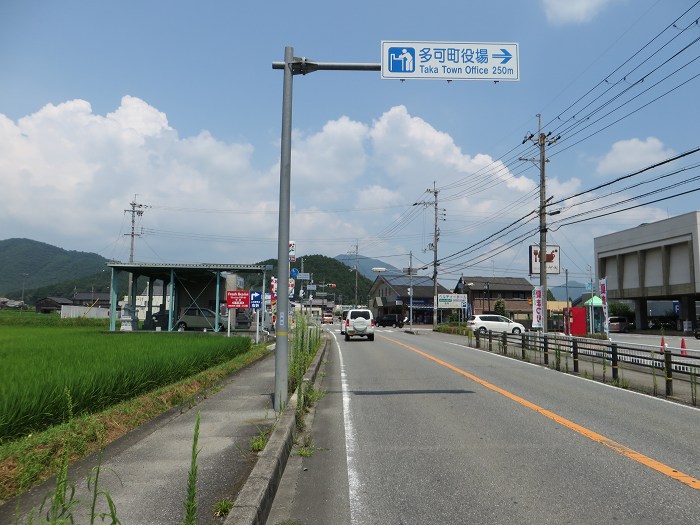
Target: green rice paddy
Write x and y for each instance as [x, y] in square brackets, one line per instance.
[40, 364]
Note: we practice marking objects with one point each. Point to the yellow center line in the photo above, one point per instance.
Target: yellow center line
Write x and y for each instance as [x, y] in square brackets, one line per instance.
[611, 444]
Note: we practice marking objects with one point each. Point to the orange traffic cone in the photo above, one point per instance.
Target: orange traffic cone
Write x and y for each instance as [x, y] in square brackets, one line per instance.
[663, 345]
[684, 350]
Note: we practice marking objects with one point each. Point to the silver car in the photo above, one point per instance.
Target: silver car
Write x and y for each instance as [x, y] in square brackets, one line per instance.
[200, 318]
[496, 323]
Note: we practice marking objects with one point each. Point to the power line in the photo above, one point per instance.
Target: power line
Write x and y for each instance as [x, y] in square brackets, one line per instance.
[630, 207]
[633, 174]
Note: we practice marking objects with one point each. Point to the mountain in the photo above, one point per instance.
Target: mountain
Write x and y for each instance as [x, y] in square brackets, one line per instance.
[35, 270]
[31, 265]
[365, 264]
[324, 271]
[576, 289]
[330, 270]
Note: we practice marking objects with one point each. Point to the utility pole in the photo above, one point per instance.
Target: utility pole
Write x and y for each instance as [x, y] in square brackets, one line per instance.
[434, 246]
[410, 289]
[136, 210]
[356, 262]
[436, 234]
[542, 142]
[24, 279]
[567, 312]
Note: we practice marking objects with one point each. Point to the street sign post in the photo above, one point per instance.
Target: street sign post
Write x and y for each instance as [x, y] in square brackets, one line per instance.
[450, 61]
[452, 300]
[237, 299]
[255, 299]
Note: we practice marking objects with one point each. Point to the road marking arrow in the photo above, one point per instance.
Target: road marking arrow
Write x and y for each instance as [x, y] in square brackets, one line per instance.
[505, 55]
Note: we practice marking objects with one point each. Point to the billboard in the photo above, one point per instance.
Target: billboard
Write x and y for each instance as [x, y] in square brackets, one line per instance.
[452, 300]
[552, 254]
[237, 299]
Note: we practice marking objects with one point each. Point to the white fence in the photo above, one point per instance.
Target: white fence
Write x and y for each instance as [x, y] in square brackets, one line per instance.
[69, 312]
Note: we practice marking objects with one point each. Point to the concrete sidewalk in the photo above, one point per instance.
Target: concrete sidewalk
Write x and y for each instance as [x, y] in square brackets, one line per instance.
[145, 472]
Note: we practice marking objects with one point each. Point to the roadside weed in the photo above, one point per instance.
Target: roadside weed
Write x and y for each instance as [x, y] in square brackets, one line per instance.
[222, 507]
[190, 503]
[259, 440]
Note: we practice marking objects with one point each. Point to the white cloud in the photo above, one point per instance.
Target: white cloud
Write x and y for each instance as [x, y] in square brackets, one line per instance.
[69, 175]
[135, 114]
[626, 156]
[562, 12]
[326, 161]
[410, 150]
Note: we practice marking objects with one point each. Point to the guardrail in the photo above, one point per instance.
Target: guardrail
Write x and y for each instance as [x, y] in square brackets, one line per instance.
[669, 363]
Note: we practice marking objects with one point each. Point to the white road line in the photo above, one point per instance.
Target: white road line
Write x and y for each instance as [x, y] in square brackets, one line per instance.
[350, 447]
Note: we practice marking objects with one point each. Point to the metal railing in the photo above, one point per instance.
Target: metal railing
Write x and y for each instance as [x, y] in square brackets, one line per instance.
[558, 351]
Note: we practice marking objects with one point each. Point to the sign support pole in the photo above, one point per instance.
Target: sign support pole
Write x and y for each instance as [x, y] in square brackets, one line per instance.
[257, 326]
[291, 66]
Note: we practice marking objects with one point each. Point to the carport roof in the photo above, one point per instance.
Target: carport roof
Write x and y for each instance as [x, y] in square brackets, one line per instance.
[193, 271]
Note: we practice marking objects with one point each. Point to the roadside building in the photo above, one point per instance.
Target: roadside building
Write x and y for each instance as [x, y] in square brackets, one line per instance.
[658, 261]
[483, 292]
[389, 294]
[91, 299]
[49, 305]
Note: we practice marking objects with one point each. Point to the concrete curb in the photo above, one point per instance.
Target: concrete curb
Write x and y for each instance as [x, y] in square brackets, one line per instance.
[254, 501]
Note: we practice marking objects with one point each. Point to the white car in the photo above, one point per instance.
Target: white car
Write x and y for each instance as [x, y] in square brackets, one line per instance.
[359, 322]
[343, 317]
[495, 323]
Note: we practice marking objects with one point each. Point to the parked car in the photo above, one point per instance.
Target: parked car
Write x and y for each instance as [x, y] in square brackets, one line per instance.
[200, 318]
[327, 319]
[359, 322]
[395, 320]
[495, 323]
[619, 324]
[343, 316]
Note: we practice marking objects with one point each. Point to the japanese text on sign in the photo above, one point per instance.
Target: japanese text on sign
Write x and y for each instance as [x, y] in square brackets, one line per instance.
[604, 300]
[537, 307]
[450, 60]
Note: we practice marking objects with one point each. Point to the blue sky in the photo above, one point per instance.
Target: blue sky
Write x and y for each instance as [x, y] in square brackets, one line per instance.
[177, 103]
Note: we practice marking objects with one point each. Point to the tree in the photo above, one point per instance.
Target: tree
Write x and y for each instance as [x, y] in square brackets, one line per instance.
[500, 307]
[621, 310]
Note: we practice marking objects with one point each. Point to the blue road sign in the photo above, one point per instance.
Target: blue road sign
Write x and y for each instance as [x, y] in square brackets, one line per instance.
[450, 60]
[293, 273]
[255, 299]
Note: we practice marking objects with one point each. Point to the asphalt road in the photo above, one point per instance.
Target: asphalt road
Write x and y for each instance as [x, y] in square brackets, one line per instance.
[418, 429]
[654, 340]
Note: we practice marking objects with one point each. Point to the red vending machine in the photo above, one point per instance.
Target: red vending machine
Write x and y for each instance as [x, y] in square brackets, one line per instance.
[575, 321]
